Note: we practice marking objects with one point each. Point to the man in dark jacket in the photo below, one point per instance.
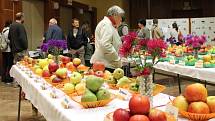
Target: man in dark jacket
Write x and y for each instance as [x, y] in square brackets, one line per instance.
[76, 41]
[18, 38]
[54, 31]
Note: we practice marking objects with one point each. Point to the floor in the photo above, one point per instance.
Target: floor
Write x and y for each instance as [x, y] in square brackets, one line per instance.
[9, 100]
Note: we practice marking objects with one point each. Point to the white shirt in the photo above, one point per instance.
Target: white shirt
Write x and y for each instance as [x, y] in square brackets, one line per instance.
[5, 31]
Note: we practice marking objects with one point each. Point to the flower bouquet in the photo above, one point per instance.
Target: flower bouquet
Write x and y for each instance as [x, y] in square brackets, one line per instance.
[54, 47]
[138, 50]
[195, 42]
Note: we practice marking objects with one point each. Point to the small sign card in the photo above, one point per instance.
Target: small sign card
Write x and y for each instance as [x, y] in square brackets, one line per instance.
[124, 94]
[65, 103]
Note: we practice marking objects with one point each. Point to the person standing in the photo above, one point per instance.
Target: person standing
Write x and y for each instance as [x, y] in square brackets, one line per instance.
[54, 32]
[7, 56]
[18, 38]
[143, 32]
[107, 39]
[76, 41]
[123, 28]
[156, 31]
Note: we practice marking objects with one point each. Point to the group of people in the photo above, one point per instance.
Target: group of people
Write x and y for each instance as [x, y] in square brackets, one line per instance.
[108, 39]
[17, 44]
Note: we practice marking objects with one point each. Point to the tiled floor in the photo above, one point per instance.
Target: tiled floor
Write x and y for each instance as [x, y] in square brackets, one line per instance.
[9, 100]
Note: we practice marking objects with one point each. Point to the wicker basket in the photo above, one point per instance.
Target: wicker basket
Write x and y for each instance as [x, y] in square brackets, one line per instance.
[109, 117]
[197, 117]
[94, 104]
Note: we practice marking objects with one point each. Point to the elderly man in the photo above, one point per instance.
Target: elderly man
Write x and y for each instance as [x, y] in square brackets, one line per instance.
[54, 31]
[107, 39]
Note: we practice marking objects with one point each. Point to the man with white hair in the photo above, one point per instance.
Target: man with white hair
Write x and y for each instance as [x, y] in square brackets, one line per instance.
[107, 39]
[54, 31]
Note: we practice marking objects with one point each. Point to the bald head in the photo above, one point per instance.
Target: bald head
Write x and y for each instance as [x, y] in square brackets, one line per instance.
[52, 21]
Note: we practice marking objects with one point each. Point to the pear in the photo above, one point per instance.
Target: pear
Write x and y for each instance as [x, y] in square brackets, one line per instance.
[93, 83]
[103, 94]
[88, 96]
[111, 80]
[123, 81]
[118, 73]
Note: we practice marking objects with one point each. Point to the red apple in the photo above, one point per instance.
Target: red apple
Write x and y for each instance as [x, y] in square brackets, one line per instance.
[76, 61]
[211, 103]
[198, 107]
[53, 67]
[195, 92]
[157, 115]
[139, 118]
[139, 104]
[65, 59]
[46, 73]
[56, 80]
[99, 73]
[181, 103]
[121, 115]
[98, 66]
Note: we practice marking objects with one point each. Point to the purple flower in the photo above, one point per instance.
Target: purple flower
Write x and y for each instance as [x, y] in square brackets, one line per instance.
[44, 47]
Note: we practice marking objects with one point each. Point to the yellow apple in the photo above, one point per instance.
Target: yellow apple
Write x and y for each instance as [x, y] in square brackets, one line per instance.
[181, 103]
[211, 103]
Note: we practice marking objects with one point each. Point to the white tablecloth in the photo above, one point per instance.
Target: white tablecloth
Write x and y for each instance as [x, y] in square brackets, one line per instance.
[52, 109]
[207, 74]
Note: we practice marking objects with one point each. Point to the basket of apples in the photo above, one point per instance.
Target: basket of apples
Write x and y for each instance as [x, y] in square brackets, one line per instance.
[139, 110]
[195, 104]
[94, 95]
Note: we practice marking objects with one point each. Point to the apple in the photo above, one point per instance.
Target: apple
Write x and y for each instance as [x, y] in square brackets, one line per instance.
[50, 56]
[76, 61]
[118, 73]
[99, 73]
[46, 73]
[61, 72]
[139, 104]
[139, 118]
[53, 67]
[69, 88]
[107, 74]
[195, 92]
[98, 66]
[157, 115]
[42, 63]
[207, 58]
[82, 68]
[211, 103]
[75, 78]
[56, 80]
[39, 71]
[198, 107]
[121, 115]
[46, 68]
[181, 103]
[65, 59]
[70, 67]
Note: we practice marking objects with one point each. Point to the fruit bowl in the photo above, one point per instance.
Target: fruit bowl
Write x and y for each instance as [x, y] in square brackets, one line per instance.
[156, 89]
[197, 117]
[94, 104]
[109, 117]
[69, 93]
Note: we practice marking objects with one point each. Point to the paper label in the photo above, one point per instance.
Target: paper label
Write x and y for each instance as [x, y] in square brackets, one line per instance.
[172, 110]
[65, 103]
[124, 94]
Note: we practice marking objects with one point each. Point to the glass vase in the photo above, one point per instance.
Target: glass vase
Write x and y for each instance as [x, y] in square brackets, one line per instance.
[146, 87]
[196, 53]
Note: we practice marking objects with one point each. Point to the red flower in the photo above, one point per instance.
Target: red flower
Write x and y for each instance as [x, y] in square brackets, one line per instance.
[146, 71]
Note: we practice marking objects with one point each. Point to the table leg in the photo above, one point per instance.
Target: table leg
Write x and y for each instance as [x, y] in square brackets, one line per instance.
[19, 106]
[153, 76]
[179, 83]
[205, 83]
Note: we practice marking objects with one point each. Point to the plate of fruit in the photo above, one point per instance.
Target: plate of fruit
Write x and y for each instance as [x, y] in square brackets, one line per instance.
[94, 95]
[139, 110]
[195, 104]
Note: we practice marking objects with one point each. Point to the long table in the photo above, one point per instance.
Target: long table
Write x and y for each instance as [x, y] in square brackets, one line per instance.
[52, 109]
[202, 74]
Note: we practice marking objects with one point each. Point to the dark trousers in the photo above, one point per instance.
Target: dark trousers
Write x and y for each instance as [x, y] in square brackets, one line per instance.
[7, 58]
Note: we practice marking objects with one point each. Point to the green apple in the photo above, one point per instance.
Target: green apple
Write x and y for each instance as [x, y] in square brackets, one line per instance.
[68, 87]
[75, 78]
[50, 56]
[118, 73]
[211, 103]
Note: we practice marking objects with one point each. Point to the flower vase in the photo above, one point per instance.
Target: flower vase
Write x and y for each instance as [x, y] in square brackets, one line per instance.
[196, 53]
[146, 87]
[56, 59]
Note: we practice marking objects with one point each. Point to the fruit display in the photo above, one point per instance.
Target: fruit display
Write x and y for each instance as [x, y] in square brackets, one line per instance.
[195, 103]
[139, 110]
[190, 60]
